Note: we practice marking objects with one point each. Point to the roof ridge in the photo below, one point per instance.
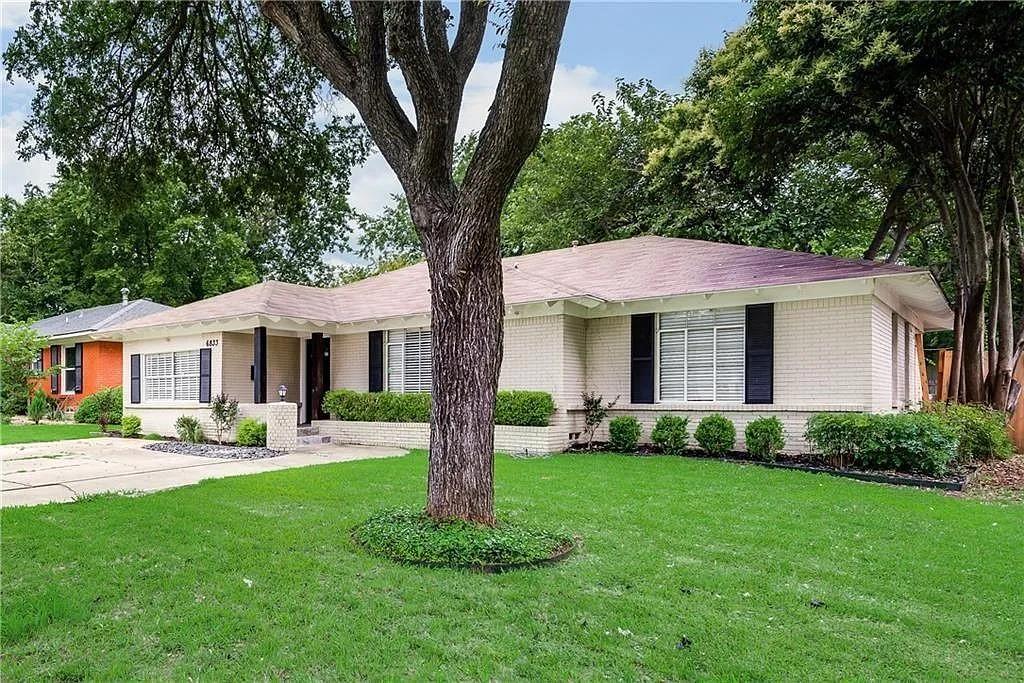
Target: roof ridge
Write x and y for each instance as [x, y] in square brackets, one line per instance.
[120, 311]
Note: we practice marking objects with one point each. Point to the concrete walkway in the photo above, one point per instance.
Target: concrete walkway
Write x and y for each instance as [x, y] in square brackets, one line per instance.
[60, 471]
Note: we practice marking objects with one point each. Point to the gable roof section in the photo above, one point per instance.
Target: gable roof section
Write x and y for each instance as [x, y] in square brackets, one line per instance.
[97, 318]
[624, 270]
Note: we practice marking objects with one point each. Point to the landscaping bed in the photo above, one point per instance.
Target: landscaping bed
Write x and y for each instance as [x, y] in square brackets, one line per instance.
[954, 480]
[213, 450]
[410, 536]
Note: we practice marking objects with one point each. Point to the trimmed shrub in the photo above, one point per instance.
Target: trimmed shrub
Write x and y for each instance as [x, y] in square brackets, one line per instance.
[670, 433]
[624, 433]
[91, 407]
[189, 430]
[909, 442]
[765, 438]
[837, 436]
[153, 436]
[906, 442]
[523, 408]
[131, 425]
[981, 431]
[716, 434]
[251, 432]
[38, 407]
[518, 408]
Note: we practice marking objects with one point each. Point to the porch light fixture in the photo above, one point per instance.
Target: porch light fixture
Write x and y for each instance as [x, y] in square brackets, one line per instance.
[282, 391]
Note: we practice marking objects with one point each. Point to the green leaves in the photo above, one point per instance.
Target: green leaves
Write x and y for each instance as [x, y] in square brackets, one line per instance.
[408, 535]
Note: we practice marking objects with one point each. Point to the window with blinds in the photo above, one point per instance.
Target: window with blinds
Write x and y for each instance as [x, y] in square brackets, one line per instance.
[407, 360]
[171, 376]
[701, 355]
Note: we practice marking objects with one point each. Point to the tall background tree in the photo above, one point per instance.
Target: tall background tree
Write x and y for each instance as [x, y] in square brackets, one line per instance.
[933, 94]
[210, 86]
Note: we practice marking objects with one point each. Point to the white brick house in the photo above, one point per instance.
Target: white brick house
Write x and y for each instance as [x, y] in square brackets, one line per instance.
[666, 325]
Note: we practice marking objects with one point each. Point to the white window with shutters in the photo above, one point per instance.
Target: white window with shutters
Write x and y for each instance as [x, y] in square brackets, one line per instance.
[407, 360]
[701, 356]
[172, 376]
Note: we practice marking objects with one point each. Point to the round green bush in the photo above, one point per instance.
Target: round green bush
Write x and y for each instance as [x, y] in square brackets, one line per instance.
[764, 437]
[89, 409]
[716, 434]
[251, 432]
[624, 433]
[670, 433]
[408, 535]
[981, 431]
[131, 425]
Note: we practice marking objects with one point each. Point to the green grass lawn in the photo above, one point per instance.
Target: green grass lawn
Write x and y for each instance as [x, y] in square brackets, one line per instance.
[256, 577]
[45, 432]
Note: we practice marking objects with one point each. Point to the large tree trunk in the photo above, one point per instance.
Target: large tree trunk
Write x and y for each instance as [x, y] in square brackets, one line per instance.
[953, 393]
[467, 310]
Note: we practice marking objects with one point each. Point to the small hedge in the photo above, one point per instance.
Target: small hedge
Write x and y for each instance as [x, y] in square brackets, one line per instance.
[251, 432]
[517, 408]
[624, 433]
[981, 430]
[407, 535]
[765, 438]
[716, 434]
[88, 411]
[906, 442]
[670, 434]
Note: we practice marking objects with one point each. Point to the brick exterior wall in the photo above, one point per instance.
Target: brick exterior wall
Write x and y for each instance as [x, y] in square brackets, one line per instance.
[832, 354]
[101, 369]
[507, 439]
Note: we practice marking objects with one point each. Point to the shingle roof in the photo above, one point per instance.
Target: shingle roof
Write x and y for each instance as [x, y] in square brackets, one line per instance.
[97, 318]
[622, 270]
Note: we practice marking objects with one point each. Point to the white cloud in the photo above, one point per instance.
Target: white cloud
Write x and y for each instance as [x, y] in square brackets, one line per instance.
[15, 173]
[13, 13]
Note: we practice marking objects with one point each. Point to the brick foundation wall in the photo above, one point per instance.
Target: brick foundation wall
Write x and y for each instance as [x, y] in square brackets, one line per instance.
[507, 439]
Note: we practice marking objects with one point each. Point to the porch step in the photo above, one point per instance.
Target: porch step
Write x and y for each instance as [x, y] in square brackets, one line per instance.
[313, 440]
[308, 431]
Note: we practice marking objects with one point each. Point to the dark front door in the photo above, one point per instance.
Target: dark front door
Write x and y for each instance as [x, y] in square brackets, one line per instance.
[318, 375]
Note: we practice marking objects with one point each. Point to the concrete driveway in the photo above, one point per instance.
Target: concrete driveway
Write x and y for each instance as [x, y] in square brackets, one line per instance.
[60, 471]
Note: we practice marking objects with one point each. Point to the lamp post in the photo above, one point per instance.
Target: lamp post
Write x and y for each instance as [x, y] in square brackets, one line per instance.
[282, 391]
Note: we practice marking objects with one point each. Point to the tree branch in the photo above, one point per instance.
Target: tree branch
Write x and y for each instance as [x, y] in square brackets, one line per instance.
[516, 117]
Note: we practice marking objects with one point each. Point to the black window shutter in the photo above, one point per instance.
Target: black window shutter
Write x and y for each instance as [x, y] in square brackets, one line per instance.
[760, 353]
[136, 378]
[259, 357]
[376, 378]
[205, 361]
[54, 362]
[641, 380]
[78, 368]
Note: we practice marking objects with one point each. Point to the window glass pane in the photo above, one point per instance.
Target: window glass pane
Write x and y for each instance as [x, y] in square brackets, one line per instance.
[700, 364]
[672, 369]
[417, 360]
[186, 362]
[395, 360]
[729, 357]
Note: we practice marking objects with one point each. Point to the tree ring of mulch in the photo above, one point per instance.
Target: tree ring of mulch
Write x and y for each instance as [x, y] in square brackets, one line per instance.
[409, 536]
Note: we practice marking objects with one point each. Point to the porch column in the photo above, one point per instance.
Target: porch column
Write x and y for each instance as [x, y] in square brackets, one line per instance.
[259, 365]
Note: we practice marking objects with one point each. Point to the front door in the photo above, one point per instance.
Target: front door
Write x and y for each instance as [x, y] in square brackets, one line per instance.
[318, 375]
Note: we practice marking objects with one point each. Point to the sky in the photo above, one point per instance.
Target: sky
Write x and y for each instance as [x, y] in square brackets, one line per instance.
[603, 41]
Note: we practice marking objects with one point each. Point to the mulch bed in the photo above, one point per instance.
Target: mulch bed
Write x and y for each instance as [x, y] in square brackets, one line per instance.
[953, 481]
[999, 480]
[213, 450]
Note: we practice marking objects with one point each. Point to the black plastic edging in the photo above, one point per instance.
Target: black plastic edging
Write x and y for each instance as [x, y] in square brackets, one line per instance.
[946, 485]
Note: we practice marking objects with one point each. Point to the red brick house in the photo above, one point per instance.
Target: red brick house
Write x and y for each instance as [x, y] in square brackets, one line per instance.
[88, 364]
